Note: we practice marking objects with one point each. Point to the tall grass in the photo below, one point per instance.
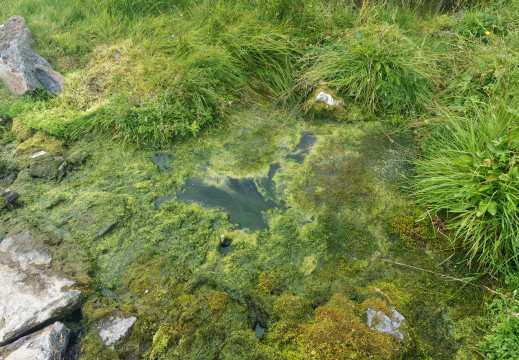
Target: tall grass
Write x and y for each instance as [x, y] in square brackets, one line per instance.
[182, 68]
[471, 179]
[378, 66]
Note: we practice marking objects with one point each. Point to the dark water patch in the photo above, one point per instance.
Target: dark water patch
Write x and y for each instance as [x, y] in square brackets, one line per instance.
[302, 149]
[225, 249]
[259, 330]
[161, 200]
[73, 321]
[225, 245]
[240, 198]
[268, 185]
[163, 160]
[273, 169]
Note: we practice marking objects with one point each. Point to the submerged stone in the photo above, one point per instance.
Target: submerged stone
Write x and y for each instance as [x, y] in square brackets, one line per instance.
[377, 320]
[9, 195]
[115, 328]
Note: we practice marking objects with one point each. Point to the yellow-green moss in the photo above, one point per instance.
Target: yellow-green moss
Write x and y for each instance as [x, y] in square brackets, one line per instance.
[40, 142]
[218, 301]
[21, 131]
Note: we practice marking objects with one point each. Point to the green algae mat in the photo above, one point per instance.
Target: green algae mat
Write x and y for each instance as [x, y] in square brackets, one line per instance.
[309, 212]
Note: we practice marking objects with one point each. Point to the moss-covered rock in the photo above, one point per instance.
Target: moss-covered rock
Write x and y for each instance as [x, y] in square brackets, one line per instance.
[49, 167]
[40, 142]
[335, 331]
[77, 157]
[323, 104]
[21, 131]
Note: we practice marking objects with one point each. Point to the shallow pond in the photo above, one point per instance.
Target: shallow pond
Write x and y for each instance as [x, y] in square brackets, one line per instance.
[312, 210]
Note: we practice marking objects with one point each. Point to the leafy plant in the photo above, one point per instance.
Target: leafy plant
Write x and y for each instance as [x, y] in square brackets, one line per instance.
[502, 321]
[481, 24]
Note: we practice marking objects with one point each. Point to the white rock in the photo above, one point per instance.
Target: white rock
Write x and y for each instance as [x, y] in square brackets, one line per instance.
[37, 154]
[384, 323]
[47, 344]
[30, 293]
[115, 328]
[328, 99]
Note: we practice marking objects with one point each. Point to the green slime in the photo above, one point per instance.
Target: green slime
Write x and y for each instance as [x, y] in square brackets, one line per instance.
[306, 277]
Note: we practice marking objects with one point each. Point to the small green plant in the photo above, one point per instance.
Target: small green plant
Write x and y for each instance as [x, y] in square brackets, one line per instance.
[481, 24]
[502, 327]
[471, 174]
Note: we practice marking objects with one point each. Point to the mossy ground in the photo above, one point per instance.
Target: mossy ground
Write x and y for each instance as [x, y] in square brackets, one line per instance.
[304, 278]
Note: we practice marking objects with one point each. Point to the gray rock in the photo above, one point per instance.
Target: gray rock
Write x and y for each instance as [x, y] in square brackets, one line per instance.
[47, 344]
[17, 67]
[21, 69]
[115, 328]
[30, 293]
[37, 154]
[9, 195]
[377, 320]
[12, 29]
[54, 82]
[53, 167]
[73, 352]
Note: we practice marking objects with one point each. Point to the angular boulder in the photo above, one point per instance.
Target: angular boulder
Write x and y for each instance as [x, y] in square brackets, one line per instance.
[49, 343]
[30, 293]
[12, 29]
[54, 82]
[115, 328]
[21, 69]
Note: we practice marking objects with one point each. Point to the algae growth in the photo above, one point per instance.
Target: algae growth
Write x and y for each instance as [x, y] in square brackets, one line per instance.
[323, 208]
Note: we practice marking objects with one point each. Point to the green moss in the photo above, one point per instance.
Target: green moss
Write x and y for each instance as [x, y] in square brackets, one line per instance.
[21, 131]
[77, 157]
[217, 303]
[40, 142]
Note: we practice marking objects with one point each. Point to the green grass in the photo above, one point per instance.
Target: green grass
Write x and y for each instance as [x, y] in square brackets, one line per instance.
[180, 70]
[377, 66]
[471, 176]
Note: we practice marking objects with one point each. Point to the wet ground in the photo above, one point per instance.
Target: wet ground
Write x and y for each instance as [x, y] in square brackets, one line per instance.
[307, 211]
